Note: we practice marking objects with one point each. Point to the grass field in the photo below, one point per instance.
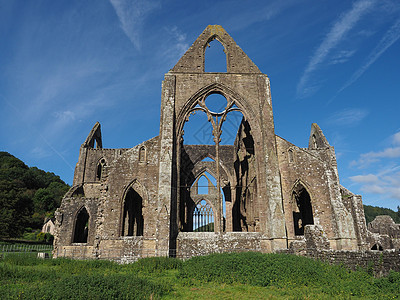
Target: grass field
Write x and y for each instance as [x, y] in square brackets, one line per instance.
[217, 276]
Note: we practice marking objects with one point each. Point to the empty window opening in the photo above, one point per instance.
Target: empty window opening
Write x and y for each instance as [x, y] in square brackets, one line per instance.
[198, 130]
[81, 226]
[314, 140]
[100, 169]
[302, 214]
[215, 58]
[142, 154]
[216, 103]
[132, 224]
[290, 155]
[230, 127]
[377, 247]
[203, 217]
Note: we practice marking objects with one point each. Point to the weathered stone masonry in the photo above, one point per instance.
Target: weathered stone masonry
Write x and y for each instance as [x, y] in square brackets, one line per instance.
[144, 201]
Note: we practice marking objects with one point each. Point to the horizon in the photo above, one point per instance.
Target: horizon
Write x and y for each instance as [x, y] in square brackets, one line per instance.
[68, 64]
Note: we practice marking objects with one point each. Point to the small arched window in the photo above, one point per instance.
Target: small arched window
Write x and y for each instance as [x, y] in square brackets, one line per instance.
[290, 155]
[100, 169]
[142, 154]
[215, 57]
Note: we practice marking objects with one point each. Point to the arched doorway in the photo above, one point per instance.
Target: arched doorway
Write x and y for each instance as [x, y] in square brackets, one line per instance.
[81, 226]
[302, 209]
[132, 218]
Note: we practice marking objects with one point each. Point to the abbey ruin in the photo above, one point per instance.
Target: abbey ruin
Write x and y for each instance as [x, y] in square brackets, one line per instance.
[262, 193]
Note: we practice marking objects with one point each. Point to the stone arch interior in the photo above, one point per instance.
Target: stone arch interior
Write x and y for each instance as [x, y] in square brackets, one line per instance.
[81, 226]
[132, 218]
[302, 209]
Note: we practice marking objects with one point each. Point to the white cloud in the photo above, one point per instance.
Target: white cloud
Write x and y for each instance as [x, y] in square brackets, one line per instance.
[396, 138]
[390, 37]
[348, 116]
[342, 57]
[131, 15]
[336, 34]
[391, 152]
[370, 178]
[387, 185]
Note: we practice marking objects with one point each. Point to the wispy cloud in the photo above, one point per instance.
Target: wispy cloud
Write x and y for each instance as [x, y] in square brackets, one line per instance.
[390, 37]
[386, 183]
[342, 57]
[348, 117]
[336, 34]
[131, 14]
[366, 159]
[253, 14]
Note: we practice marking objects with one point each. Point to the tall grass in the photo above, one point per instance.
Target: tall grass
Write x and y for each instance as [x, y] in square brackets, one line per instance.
[219, 275]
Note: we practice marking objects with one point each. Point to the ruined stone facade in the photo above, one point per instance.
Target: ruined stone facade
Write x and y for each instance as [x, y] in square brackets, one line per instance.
[146, 200]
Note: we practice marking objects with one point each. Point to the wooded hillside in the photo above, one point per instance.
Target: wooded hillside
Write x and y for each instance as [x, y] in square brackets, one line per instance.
[27, 195]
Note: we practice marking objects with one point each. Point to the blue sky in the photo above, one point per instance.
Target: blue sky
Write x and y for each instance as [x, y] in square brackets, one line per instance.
[66, 64]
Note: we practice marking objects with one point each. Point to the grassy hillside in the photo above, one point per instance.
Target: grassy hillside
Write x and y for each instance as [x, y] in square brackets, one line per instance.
[218, 276]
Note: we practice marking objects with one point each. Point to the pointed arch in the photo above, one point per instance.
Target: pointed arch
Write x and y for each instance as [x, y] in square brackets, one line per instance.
[302, 207]
[81, 225]
[214, 61]
[94, 138]
[142, 154]
[236, 103]
[101, 164]
[133, 204]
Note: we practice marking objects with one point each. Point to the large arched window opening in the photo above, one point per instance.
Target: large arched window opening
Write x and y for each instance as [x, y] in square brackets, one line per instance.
[132, 222]
[81, 226]
[223, 126]
[302, 212]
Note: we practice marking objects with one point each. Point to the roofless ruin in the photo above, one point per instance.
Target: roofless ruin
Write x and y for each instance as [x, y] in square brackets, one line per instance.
[167, 196]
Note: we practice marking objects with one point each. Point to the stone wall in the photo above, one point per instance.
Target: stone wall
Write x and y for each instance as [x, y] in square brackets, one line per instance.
[380, 262]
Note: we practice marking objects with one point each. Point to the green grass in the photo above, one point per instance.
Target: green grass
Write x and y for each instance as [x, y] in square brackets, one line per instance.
[218, 276]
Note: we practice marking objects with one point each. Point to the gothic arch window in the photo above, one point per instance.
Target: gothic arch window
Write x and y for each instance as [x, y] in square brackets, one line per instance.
[100, 168]
[203, 217]
[215, 59]
[215, 119]
[142, 154]
[81, 226]
[302, 209]
[132, 222]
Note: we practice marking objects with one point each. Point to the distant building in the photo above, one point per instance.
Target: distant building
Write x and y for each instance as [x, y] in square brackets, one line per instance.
[49, 226]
